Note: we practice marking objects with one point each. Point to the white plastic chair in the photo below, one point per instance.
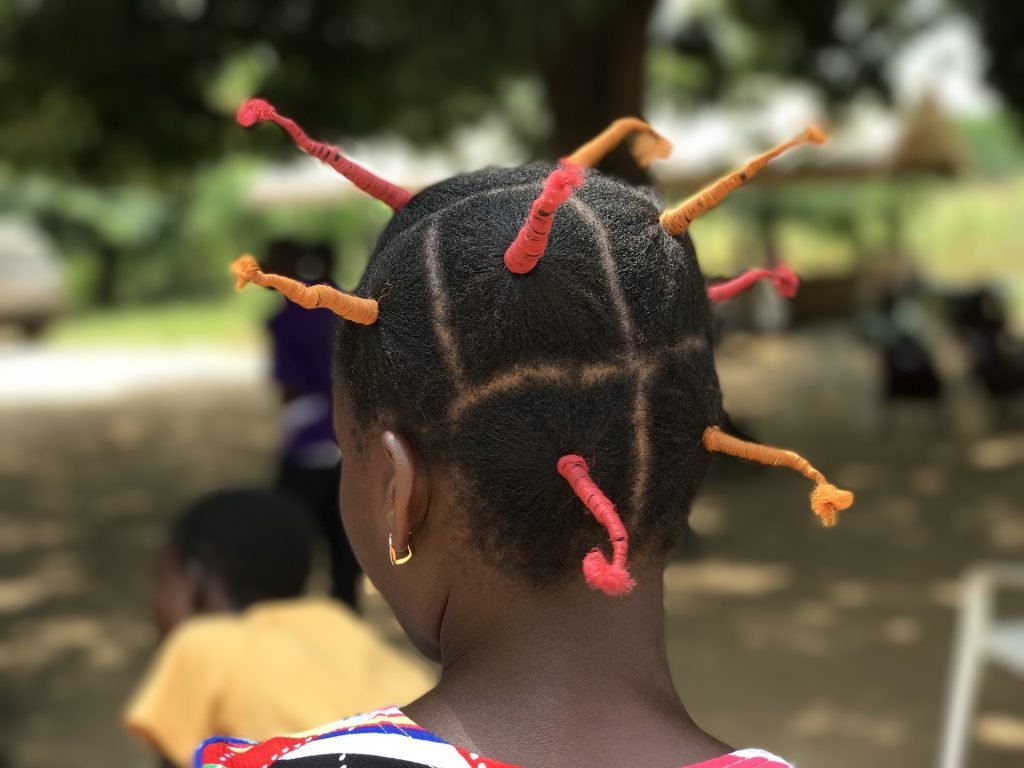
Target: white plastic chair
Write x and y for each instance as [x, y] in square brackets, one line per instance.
[979, 638]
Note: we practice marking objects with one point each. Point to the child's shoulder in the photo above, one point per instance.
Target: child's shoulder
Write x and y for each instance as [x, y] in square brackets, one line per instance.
[382, 737]
[386, 738]
[205, 631]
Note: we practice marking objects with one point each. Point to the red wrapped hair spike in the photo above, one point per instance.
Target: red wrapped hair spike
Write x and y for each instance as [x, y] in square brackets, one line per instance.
[259, 111]
[612, 578]
[524, 253]
[783, 278]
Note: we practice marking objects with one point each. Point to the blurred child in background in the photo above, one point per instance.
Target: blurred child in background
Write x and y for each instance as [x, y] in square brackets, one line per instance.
[310, 468]
[237, 633]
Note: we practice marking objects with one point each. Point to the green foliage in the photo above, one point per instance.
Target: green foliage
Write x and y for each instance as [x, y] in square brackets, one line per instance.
[109, 90]
[236, 321]
[176, 246]
[841, 46]
[127, 102]
[996, 149]
[678, 77]
[131, 100]
[115, 89]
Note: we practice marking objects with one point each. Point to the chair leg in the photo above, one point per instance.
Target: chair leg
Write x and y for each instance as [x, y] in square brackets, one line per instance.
[965, 672]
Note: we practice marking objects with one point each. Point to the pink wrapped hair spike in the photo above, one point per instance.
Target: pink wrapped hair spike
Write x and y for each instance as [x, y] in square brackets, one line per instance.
[783, 279]
[259, 111]
[612, 578]
[524, 253]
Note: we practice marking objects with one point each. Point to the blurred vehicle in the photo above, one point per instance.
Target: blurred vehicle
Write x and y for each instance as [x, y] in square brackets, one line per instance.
[32, 284]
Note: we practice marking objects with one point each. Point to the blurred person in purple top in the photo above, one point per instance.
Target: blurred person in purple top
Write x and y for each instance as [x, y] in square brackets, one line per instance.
[310, 463]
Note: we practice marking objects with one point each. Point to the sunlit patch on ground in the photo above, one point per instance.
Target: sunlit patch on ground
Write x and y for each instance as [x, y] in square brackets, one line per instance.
[850, 593]
[901, 630]
[993, 453]
[54, 577]
[1004, 522]
[725, 578]
[1001, 731]
[825, 720]
[94, 642]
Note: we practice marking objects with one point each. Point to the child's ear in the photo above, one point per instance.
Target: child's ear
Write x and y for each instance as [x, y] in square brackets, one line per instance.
[195, 575]
[207, 591]
[408, 492]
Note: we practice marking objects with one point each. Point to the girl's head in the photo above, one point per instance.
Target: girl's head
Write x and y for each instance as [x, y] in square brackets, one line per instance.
[538, 349]
[228, 550]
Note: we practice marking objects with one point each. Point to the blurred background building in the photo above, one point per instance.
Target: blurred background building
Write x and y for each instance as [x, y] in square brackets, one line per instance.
[132, 378]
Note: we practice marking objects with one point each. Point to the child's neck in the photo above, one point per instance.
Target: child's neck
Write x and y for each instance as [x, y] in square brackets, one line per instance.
[564, 677]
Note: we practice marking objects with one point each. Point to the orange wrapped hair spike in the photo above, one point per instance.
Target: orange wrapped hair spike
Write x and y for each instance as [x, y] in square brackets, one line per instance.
[676, 220]
[647, 146]
[354, 308]
[826, 499]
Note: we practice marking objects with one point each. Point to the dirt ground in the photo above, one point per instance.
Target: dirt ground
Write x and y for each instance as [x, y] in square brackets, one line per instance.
[828, 646]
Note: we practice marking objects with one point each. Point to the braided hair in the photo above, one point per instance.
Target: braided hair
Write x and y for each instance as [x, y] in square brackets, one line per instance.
[544, 332]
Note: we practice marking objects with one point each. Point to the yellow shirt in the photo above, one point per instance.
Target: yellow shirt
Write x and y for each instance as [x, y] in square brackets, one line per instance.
[280, 667]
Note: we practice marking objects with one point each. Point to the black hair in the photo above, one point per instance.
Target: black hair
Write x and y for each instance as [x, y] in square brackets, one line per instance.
[604, 350]
[259, 543]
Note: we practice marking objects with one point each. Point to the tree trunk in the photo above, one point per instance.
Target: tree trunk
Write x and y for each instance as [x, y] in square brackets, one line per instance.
[105, 288]
[594, 75]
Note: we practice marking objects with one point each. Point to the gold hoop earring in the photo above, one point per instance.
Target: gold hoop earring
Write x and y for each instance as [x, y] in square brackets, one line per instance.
[394, 556]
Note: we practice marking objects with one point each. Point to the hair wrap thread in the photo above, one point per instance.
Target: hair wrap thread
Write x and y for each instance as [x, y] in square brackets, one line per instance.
[524, 253]
[612, 578]
[678, 219]
[783, 279]
[647, 146]
[354, 308]
[826, 499]
[257, 111]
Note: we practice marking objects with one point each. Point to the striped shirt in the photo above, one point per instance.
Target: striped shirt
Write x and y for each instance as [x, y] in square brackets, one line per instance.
[388, 739]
